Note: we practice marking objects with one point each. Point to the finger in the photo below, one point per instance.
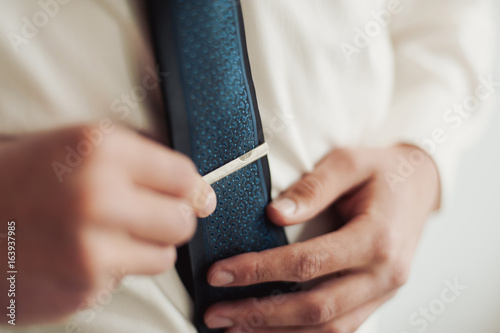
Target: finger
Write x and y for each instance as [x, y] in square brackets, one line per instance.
[157, 218]
[317, 306]
[352, 320]
[140, 258]
[110, 248]
[336, 174]
[164, 170]
[352, 246]
[143, 213]
[348, 322]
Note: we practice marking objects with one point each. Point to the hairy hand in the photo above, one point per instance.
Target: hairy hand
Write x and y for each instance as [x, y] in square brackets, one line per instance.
[353, 270]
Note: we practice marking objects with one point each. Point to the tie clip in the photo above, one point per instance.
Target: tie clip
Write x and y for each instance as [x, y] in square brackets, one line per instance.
[237, 164]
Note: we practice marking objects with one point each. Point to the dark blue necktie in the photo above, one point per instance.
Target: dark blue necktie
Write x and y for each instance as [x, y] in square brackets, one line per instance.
[214, 119]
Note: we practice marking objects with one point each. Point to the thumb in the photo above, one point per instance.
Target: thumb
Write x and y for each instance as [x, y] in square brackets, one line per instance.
[340, 171]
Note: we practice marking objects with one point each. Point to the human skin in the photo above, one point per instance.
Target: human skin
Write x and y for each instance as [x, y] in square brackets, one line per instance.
[358, 267]
[122, 210]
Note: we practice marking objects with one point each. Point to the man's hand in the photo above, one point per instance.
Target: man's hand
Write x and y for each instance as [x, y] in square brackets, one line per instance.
[355, 269]
[121, 211]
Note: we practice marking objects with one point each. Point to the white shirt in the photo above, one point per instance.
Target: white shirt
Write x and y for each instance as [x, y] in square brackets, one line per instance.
[328, 73]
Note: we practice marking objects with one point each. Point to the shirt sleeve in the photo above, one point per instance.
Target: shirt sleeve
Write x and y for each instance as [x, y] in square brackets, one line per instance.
[444, 84]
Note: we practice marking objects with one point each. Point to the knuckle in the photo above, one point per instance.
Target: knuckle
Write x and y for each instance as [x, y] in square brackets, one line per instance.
[257, 271]
[399, 274]
[309, 187]
[307, 266]
[345, 159]
[384, 245]
[320, 312]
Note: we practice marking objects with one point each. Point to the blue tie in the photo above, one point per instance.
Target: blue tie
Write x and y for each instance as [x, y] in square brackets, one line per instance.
[214, 119]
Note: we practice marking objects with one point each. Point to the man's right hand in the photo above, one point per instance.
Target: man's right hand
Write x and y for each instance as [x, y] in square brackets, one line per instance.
[123, 208]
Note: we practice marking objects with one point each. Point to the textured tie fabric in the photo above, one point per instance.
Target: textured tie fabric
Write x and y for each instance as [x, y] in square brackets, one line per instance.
[213, 118]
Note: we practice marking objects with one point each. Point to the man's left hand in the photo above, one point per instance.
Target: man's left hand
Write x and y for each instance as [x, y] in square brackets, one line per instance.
[355, 269]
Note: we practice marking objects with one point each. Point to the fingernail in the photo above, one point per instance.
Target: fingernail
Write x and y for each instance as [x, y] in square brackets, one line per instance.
[204, 199]
[218, 322]
[211, 199]
[221, 278]
[285, 206]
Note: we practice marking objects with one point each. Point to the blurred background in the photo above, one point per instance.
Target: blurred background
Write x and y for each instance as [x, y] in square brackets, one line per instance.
[459, 246]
